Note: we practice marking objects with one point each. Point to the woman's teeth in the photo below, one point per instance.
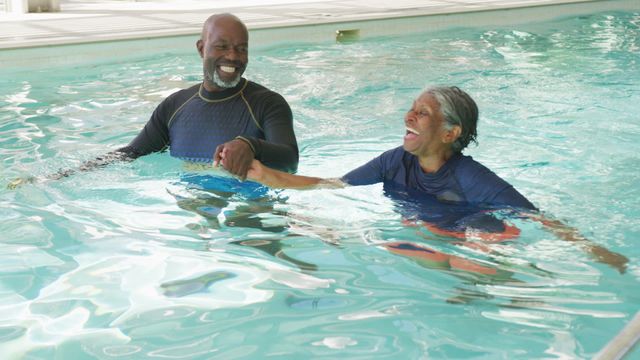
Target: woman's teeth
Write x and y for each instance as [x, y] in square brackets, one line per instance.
[410, 130]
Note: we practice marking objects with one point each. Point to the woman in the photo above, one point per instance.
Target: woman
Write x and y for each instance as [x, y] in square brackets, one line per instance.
[439, 125]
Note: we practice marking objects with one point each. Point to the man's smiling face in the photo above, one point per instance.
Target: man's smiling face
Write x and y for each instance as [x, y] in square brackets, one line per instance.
[224, 48]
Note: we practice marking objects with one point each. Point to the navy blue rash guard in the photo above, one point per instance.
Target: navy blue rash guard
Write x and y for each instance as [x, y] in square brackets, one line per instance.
[193, 122]
[457, 217]
[461, 180]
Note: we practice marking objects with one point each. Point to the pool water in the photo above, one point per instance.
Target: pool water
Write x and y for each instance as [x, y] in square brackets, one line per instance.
[136, 260]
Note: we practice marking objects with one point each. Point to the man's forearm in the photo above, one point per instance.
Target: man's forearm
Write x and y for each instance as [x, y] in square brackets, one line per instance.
[123, 154]
[281, 156]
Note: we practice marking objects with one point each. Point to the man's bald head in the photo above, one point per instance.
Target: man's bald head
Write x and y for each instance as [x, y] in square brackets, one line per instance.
[225, 20]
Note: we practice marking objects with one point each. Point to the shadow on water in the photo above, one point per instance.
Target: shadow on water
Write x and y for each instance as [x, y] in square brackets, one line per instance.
[179, 288]
[229, 203]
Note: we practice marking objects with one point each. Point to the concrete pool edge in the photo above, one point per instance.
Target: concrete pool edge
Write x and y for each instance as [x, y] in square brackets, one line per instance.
[74, 51]
[409, 23]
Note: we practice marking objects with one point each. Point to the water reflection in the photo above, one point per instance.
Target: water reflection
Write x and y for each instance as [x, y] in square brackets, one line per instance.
[487, 248]
[228, 203]
[184, 287]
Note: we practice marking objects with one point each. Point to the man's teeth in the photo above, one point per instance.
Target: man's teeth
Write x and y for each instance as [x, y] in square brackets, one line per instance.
[228, 69]
[413, 131]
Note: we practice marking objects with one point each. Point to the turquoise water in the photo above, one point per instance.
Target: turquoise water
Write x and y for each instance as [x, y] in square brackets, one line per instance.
[130, 261]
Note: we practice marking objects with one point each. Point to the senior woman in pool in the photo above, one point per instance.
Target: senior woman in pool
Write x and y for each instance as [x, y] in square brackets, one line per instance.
[440, 124]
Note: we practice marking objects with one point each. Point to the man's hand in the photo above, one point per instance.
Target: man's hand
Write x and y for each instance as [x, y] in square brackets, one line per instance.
[235, 156]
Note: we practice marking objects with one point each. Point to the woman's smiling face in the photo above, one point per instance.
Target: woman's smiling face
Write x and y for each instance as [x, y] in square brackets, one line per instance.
[425, 126]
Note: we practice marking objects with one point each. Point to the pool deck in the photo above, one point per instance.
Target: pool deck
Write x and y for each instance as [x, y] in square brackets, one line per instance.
[96, 21]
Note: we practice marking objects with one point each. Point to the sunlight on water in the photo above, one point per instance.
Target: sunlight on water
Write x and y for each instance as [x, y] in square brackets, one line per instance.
[141, 260]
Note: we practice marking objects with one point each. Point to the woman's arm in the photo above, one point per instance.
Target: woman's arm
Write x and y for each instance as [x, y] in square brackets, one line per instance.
[279, 179]
[567, 233]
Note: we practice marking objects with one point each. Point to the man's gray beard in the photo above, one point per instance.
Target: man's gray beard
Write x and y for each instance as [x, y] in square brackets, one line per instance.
[221, 83]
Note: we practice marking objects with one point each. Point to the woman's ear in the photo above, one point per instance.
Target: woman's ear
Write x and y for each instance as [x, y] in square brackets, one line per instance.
[452, 134]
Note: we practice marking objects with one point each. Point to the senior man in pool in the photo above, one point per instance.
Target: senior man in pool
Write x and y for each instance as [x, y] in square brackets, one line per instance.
[441, 122]
[225, 113]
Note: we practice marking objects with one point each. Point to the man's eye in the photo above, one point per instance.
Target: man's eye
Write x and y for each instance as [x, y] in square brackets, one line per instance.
[242, 49]
[220, 47]
[423, 113]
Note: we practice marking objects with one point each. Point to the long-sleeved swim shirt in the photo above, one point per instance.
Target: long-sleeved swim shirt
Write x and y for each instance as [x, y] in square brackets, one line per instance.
[192, 122]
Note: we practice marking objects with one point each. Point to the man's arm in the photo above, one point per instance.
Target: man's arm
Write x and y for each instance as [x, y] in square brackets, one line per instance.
[123, 154]
[153, 137]
[235, 156]
[278, 149]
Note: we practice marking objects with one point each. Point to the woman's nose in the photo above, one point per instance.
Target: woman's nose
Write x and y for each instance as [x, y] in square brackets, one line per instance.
[409, 116]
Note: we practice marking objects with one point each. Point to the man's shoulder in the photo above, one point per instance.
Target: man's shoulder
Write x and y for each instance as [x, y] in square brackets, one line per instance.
[256, 90]
[254, 86]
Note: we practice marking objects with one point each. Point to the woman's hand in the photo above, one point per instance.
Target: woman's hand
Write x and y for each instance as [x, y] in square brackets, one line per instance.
[256, 171]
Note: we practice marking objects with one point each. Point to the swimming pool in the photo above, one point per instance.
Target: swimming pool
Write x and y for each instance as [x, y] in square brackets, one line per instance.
[131, 261]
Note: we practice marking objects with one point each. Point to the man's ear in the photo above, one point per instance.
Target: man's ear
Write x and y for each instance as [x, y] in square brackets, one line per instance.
[200, 47]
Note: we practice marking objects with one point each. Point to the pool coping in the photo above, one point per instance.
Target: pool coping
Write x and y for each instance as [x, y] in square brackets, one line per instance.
[84, 22]
[58, 48]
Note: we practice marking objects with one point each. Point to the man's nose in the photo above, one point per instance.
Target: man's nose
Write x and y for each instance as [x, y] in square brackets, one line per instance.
[232, 54]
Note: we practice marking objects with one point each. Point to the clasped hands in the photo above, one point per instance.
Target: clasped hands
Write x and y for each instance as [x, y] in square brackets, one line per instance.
[237, 157]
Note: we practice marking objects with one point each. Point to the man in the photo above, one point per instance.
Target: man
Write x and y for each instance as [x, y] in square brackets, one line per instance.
[225, 114]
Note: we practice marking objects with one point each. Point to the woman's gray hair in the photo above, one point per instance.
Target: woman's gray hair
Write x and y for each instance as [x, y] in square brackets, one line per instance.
[458, 108]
